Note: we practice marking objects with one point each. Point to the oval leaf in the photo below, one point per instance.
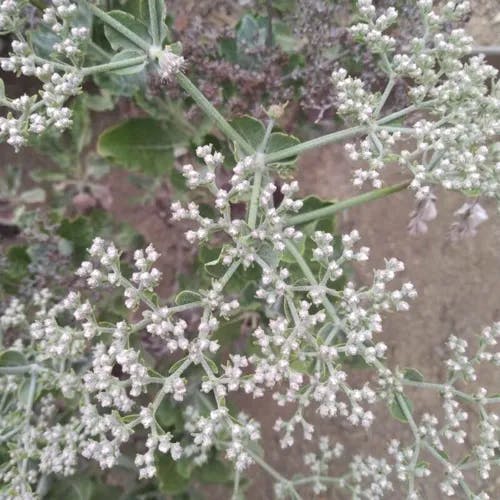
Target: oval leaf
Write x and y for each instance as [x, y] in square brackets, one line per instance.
[186, 297]
[128, 54]
[396, 410]
[412, 374]
[119, 41]
[12, 358]
[139, 144]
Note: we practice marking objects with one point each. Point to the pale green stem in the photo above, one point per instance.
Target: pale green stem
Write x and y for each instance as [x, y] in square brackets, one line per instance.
[236, 485]
[29, 406]
[310, 276]
[229, 273]
[254, 200]
[342, 134]
[18, 370]
[212, 113]
[444, 387]
[112, 66]
[343, 205]
[272, 472]
[127, 284]
[385, 95]
[315, 143]
[161, 393]
[447, 464]
[267, 135]
[116, 25]
[257, 181]
[416, 452]
[57, 65]
[402, 130]
[407, 413]
[473, 464]
[153, 22]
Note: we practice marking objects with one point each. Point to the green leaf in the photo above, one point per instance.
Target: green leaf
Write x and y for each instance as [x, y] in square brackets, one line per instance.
[79, 232]
[35, 195]
[397, 411]
[76, 488]
[121, 85]
[176, 365]
[119, 41]
[2, 89]
[212, 365]
[81, 132]
[139, 144]
[284, 38]
[214, 472]
[24, 391]
[169, 415]
[249, 35]
[277, 142]
[12, 358]
[327, 223]
[169, 478]
[250, 128]
[185, 467]
[186, 297]
[412, 374]
[303, 366]
[43, 40]
[137, 8]
[99, 102]
[161, 13]
[228, 331]
[16, 269]
[123, 56]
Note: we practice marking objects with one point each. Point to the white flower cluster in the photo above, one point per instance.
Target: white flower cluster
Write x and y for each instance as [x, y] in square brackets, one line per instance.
[454, 145]
[60, 80]
[317, 322]
[170, 63]
[311, 314]
[58, 63]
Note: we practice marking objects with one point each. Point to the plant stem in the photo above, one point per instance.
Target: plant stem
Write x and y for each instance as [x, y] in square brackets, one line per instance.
[405, 111]
[153, 22]
[344, 204]
[116, 25]
[112, 66]
[212, 113]
[456, 392]
[273, 472]
[57, 65]
[342, 134]
[18, 370]
[229, 273]
[236, 485]
[314, 143]
[310, 276]
[254, 200]
[385, 95]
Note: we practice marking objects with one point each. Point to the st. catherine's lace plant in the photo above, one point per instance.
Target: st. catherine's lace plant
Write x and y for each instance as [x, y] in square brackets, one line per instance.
[311, 329]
